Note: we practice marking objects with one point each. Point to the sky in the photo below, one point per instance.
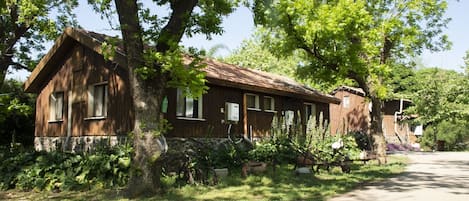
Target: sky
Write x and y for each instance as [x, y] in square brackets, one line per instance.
[239, 26]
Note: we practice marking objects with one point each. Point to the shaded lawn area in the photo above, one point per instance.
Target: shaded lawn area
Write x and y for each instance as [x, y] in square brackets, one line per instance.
[283, 185]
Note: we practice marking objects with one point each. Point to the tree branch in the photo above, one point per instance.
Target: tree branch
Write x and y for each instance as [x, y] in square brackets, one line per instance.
[314, 51]
[172, 33]
[386, 50]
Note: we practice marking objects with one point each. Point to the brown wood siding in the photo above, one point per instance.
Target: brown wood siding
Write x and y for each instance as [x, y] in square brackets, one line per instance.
[353, 118]
[79, 69]
[212, 102]
[402, 128]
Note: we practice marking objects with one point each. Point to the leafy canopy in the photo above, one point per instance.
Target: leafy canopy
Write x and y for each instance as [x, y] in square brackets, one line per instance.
[25, 25]
[439, 95]
[354, 39]
[163, 24]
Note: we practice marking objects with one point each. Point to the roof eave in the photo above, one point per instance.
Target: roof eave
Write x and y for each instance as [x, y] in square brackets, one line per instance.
[70, 36]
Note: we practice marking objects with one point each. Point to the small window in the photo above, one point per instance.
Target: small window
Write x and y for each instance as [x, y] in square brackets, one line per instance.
[346, 102]
[97, 100]
[310, 111]
[56, 106]
[252, 101]
[188, 107]
[269, 103]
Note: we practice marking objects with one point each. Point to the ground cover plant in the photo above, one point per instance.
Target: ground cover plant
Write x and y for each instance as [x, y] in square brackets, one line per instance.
[283, 185]
[59, 171]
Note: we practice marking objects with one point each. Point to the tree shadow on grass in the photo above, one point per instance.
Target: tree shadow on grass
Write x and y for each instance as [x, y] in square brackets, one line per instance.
[284, 185]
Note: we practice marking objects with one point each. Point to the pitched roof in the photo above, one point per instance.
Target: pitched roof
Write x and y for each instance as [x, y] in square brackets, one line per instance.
[354, 90]
[217, 73]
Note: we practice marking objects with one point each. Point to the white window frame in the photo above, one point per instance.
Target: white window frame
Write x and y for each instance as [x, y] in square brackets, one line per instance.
[256, 102]
[93, 105]
[346, 101]
[56, 106]
[185, 106]
[313, 111]
[271, 106]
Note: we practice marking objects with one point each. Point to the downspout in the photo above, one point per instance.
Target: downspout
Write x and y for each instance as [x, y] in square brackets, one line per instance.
[401, 102]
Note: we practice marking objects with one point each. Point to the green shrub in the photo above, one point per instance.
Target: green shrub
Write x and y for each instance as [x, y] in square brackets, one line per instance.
[363, 140]
[65, 171]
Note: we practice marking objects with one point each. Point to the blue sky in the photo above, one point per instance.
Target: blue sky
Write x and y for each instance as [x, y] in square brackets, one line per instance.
[239, 26]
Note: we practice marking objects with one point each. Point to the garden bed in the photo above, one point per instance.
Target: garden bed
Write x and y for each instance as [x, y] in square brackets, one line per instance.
[267, 186]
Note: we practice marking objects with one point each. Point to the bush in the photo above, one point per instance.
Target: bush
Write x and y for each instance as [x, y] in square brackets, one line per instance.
[454, 134]
[64, 171]
[363, 140]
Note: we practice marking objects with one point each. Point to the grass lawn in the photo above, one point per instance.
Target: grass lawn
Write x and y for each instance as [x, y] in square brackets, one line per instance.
[283, 185]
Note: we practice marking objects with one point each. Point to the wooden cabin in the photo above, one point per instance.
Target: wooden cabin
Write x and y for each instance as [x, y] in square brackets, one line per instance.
[353, 115]
[83, 98]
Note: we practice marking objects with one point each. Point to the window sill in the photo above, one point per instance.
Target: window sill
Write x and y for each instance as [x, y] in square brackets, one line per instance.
[191, 119]
[271, 111]
[254, 109]
[94, 118]
[55, 121]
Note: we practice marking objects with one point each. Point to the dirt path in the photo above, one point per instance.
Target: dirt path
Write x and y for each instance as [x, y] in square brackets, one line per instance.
[429, 176]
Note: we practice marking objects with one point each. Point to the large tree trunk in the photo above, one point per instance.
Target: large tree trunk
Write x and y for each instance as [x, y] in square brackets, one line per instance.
[376, 130]
[148, 93]
[147, 96]
[376, 119]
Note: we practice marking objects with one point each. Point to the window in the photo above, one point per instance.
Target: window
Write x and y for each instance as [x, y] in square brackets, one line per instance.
[56, 106]
[97, 100]
[188, 107]
[269, 103]
[346, 102]
[252, 101]
[310, 111]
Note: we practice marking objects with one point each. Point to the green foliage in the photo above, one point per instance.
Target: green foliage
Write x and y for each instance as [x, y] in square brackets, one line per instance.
[65, 171]
[278, 185]
[359, 40]
[363, 140]
[439, 95]
[16, 114]
[24, 27]
[454, 134]
[254, 53]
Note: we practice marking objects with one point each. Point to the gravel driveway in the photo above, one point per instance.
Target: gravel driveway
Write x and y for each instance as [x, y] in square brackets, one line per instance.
[429, 176]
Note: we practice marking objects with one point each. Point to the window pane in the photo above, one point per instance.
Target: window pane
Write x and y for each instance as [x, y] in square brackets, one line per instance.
[310, 111]
[200, 107]
[268, 103]
[189, 107]
[56, 100]
[52, 106]
[252, 101]
[98, 100]
[180, 103]
[346, 102]
[59, 106]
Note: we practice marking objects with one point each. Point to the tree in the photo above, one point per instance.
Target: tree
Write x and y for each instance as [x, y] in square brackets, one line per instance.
[354, 39]
[16, 114]
[25, 25]
[439, 97]
[254, 54]
[154, 68]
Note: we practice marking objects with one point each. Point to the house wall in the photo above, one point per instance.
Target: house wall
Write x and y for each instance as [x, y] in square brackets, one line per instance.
[402, 127]
[213, 123]
[353, 118]
[80, 68]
